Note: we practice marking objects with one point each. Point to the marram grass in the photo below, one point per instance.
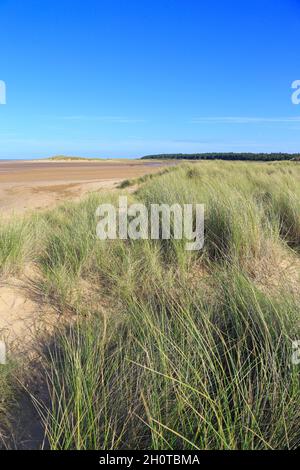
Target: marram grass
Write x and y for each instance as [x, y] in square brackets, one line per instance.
[172, 349]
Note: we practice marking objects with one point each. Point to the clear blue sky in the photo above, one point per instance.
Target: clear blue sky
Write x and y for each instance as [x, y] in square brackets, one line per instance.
[125, 78]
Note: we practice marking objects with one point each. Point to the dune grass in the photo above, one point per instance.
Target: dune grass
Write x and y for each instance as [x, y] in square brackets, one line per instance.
[174, 349]
[8, 397]
[14, 245]
[190, 376]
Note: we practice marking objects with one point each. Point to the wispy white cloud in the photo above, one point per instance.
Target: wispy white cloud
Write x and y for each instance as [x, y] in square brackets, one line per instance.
[243, 120]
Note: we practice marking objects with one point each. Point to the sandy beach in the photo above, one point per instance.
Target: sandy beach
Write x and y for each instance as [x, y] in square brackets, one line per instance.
[33, 185]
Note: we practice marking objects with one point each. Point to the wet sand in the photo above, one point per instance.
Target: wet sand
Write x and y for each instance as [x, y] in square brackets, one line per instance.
[33, 185]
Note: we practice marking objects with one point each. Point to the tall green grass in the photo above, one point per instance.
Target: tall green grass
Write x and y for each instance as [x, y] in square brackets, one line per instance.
[15, 245]
[174, 349]
[190, 352]
[192, 374]
[7, 399]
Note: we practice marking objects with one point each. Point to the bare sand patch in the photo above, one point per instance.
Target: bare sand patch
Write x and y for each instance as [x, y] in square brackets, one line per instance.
[24, 320]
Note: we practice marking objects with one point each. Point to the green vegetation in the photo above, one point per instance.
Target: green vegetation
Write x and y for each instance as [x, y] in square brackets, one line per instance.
[244, 156]
[142, 179]
[125, 184]
[18, 244]
[173, 349]
[7, 399]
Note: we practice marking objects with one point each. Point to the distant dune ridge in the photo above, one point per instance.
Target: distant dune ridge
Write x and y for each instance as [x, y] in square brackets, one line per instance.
[68, 157]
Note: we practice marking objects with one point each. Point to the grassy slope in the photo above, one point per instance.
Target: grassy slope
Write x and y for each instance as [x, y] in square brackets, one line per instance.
[174, 349]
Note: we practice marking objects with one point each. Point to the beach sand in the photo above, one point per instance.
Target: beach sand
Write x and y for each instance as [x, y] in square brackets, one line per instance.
[35, 185]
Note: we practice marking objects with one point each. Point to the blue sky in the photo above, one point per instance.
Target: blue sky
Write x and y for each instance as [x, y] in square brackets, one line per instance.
[125, 78]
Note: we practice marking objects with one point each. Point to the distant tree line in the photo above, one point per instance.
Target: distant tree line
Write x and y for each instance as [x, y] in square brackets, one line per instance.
[265, 157]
